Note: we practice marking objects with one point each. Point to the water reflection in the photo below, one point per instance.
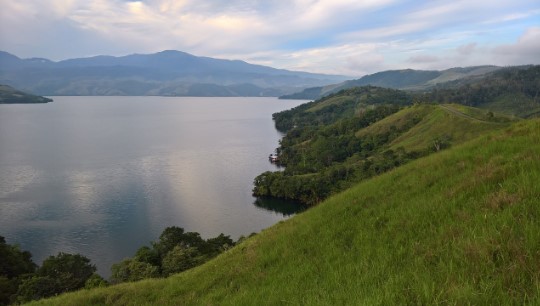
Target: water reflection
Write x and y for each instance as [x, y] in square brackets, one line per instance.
[102, 176]
[280, 206]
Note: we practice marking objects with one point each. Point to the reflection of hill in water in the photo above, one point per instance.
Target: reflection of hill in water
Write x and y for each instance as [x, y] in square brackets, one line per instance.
[284, 207]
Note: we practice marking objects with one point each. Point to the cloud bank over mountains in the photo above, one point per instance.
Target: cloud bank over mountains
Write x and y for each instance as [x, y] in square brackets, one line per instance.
[326, 36]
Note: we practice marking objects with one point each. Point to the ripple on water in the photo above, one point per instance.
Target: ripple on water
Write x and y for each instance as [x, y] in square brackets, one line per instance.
[15, 178]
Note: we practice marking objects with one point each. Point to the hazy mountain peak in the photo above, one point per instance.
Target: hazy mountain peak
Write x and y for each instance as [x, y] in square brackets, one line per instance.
[169, 72]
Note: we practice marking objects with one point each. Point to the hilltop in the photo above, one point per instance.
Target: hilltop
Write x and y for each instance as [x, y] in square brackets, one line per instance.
[10, 95]
[458, 227]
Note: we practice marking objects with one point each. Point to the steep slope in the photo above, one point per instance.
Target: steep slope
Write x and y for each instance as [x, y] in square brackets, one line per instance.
[458, 227]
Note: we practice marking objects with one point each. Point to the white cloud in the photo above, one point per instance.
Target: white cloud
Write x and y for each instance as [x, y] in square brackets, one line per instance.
[525, 51]
[513, 16]
[423, 58]
[333, 36]
[467, 48]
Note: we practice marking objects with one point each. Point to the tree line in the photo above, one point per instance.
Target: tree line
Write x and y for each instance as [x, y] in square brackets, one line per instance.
[21, 280]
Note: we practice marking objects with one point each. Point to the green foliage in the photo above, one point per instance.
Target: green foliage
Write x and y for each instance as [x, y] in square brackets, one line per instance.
[21, 282]
[13, 261]
[344, 104]
[148, 255]
[461, 227]
[95, 281]
[218, 244]
[173, 236]
[180, 259]
[69, 272]
[15, 265]
[61, 273]
[325, 159]
[176, 250]
[8, 288]
[130, 269]
[514, 91]
[37, 287]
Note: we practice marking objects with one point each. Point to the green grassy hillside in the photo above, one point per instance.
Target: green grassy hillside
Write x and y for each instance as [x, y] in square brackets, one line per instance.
[453, 123]
[458, 227]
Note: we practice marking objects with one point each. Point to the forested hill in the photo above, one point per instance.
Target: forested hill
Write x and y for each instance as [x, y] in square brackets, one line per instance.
[10, 95]
[407, 79]
[344, 104]
[513, 91]
[321, 160]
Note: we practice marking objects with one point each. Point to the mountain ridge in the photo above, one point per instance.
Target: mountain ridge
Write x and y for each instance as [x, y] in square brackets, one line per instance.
[156, 72]
[404, 79]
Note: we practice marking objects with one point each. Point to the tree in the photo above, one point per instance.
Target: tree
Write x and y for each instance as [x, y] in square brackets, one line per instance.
[441, 142]
[13, 261]
[36, 287]
[129, 270]
[14, 264]
[148, 255]
[218, 244]
[95, 281]
[173, 236]
[180, 259]
[69, 272]
[169, 238]
[8, 288]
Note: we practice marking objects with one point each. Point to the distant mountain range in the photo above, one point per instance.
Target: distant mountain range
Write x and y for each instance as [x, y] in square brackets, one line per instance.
[407, 79]
[168, 73]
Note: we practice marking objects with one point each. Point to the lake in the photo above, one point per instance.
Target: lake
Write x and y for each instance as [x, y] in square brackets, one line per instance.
[103, 176]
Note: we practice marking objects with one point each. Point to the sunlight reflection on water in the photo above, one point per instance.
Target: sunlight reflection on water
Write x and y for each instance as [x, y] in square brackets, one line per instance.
[102, 176]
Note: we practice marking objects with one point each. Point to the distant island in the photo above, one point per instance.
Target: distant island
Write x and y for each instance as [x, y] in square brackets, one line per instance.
[10, 95]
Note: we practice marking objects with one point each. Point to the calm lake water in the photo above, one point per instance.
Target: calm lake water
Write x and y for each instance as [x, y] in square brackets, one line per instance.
[102, 176]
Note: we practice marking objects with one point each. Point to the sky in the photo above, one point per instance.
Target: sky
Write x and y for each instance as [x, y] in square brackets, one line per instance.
[345, 37]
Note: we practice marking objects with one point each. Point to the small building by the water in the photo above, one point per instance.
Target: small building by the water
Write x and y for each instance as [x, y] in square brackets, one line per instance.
[273, 157]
